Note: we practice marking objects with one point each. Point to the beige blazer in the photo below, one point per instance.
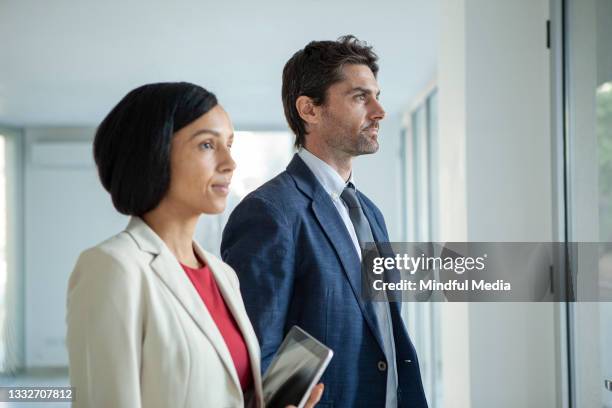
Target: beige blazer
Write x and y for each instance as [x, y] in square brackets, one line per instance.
[139, 334]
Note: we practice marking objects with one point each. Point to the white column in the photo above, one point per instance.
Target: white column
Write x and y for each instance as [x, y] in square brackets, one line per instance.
[496, 185]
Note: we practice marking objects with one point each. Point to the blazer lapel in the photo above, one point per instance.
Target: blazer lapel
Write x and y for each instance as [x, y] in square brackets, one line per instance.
[170, 272]
[232, 298]
[335, 230]
[384, 248]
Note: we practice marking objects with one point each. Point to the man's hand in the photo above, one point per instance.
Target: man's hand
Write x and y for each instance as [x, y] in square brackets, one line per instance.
[315, 396]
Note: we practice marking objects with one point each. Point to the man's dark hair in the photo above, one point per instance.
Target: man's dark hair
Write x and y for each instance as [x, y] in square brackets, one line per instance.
[312, 70]
[132, 144]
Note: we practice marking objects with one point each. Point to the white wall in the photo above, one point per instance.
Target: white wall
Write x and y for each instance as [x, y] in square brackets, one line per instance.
[495, 185]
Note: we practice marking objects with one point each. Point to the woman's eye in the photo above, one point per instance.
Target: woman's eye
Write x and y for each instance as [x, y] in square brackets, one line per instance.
[206, 145]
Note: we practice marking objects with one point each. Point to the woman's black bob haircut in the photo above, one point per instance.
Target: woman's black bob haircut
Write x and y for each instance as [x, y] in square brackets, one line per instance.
[132, 144]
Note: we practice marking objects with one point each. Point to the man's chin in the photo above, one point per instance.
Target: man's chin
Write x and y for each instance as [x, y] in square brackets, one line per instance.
[368, 148]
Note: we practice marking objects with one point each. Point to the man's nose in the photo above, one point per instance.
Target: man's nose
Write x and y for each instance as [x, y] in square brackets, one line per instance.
[377, 112]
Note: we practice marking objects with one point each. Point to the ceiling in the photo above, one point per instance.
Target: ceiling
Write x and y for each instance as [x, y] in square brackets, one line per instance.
[67, 62]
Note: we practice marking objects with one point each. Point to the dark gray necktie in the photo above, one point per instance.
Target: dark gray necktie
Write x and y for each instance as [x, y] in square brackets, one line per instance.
[358, 218]
[383, 315]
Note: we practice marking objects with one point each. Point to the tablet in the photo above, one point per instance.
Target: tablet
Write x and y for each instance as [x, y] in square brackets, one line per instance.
[296, 368]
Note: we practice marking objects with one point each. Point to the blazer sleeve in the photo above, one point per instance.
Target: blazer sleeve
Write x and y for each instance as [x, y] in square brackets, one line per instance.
[104, 321]
[258, 243]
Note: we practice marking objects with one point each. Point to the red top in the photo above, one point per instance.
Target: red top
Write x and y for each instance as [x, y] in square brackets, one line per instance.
[205, 284]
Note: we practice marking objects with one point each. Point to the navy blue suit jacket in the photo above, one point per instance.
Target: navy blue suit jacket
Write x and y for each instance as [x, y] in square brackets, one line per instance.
[298, 266]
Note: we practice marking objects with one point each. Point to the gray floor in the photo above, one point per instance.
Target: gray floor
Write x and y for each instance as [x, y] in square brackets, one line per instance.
[50, 378]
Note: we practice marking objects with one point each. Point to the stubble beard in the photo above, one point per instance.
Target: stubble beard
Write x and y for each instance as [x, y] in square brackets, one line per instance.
[366, 144]
[344, 139]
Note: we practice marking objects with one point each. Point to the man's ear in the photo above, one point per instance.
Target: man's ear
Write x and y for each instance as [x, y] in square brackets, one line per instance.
[308, 111]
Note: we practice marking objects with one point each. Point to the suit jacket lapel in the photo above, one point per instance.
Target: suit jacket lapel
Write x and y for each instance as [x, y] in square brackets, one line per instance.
[232, 299]
[333, 226]
[384, 249]
[170, 272]
[377, 232]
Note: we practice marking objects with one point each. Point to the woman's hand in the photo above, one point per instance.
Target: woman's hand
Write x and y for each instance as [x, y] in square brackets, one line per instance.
[315, 396]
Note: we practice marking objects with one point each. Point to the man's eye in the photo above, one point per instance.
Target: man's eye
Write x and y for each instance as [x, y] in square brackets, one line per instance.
[361, 97]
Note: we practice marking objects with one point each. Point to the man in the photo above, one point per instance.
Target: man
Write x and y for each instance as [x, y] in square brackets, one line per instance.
[295, 241]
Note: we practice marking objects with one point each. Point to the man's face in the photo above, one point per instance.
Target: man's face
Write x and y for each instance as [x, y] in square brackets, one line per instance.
[350, 115]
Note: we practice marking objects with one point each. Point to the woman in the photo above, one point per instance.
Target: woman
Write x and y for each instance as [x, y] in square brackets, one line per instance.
[154, 320]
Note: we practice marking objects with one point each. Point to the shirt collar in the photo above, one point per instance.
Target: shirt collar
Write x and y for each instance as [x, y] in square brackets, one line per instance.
[325, 174]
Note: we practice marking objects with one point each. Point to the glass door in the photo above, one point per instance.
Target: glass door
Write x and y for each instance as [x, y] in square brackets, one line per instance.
[588, 201]
[419, 201]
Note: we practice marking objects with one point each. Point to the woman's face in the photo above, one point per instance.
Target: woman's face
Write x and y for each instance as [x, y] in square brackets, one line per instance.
[201, 165]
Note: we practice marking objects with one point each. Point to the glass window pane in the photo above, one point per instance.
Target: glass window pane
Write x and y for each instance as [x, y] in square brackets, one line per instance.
[259, 156]
[3, 265]
[589, 162]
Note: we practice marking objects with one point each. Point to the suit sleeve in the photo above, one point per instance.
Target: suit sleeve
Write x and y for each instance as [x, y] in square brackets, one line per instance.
[104, 322]
[258, 244]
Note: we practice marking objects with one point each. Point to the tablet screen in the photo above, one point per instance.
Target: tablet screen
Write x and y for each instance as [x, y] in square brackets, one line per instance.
[292, 372]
